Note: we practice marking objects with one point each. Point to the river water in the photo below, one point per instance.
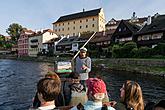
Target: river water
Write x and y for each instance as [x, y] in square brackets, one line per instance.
[18, 81]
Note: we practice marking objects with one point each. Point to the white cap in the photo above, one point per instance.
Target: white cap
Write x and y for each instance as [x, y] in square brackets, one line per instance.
[83, 49]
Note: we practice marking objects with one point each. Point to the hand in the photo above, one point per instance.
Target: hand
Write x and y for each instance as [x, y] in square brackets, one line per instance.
[84, 67]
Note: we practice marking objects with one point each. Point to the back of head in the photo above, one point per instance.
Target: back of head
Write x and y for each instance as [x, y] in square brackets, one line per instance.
[133, 95]
[54, 76]
[96, 88]
[48, 88]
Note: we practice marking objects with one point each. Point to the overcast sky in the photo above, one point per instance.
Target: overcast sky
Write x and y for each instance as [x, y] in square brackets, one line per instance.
[40, 14]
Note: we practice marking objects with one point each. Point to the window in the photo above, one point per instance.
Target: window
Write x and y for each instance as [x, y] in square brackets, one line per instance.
[119, 29]
[62, 29]
[59, 30]
[56, 30]
[86, 20]
[80, 21]
[68, 23]
[59, 24]
[93, 19]
[86, 26]
[80, 27]
[73, 34]
[68, 28]
[73, 22]
[93, 25]
[74, 27]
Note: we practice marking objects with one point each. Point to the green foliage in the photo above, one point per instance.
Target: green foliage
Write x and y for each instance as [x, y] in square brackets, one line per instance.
[127, 49]
[94, 54]
[8, 45]
[2, 40]
[116, 51]
[159, 49]
[143, 52]
[14, 31]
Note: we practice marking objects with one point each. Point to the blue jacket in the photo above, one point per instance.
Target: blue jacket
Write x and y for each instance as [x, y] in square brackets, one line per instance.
[90, 105]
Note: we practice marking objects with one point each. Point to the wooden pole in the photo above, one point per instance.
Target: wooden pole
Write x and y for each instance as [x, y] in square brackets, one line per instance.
[72, 61]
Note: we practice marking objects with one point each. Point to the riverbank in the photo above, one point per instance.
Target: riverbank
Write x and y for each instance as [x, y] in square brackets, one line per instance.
[142, 66]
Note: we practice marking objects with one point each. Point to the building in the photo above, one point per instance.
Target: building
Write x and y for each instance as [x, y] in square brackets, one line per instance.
[65, 45]
[153, 32]
[49, 46]
[101, 42]
[23, 42]
[37, 40]
[125, 32]
[113, 24]
[85, 21]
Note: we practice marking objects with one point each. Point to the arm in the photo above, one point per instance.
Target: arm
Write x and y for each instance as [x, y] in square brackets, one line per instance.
[88, 65]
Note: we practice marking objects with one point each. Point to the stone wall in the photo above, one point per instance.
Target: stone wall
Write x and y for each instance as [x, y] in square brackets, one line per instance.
[139, 62]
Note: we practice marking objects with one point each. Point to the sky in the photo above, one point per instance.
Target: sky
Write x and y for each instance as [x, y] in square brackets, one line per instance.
[40, 14]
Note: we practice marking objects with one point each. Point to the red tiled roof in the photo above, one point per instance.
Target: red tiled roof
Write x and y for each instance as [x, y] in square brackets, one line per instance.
[41, 32]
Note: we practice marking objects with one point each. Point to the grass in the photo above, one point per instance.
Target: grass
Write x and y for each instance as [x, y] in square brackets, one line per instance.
[154, 70]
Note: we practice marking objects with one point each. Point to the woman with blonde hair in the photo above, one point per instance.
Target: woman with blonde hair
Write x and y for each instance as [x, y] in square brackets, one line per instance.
[130, 96]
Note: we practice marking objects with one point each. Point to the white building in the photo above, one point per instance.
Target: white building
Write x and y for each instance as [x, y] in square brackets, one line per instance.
[37, 40]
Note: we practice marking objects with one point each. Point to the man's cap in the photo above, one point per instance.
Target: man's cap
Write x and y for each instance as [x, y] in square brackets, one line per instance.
[96, 85]
[83, 49]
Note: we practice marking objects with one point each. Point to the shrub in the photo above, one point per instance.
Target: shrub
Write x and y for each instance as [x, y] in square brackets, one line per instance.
[159, 49]
[127, 49]
[116, 51]
[143, 52]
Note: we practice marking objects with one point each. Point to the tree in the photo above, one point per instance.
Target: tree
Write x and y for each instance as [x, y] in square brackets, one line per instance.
[2, 40]
[14, 31]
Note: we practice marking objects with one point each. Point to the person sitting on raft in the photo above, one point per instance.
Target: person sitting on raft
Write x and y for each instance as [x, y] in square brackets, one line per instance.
[96, 90]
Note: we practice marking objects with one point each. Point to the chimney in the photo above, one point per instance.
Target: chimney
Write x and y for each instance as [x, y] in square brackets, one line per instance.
[134, 17]
[149, 20]
[83, 10]
[156, 15]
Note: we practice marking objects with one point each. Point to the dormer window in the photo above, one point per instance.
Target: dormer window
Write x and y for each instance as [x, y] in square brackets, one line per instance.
[119, 29]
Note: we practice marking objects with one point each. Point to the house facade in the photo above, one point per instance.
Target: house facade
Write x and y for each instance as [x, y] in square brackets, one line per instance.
[86, 21]
[37, 40]
[124, 32]
[23, 42]
[152, 33]
[113, 24]
[65, 45]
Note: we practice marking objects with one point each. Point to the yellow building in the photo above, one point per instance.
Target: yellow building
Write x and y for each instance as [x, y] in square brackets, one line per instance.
[73, 24]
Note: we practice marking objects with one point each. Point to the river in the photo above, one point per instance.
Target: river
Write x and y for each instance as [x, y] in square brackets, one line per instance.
[18, 81]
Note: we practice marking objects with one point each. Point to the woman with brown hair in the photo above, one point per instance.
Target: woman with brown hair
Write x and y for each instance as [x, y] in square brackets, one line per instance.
[130, 96]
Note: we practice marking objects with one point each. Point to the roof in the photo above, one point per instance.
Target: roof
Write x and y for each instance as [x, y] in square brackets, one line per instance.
[52, 40]
[83, 14]
[103, 36]
[132, 27]
[67, 40]
[137, 21]
[41, 32]
[157, 25]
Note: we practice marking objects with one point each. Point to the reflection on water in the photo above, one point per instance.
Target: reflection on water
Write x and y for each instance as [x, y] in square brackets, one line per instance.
[18, 83]
[153, 87]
